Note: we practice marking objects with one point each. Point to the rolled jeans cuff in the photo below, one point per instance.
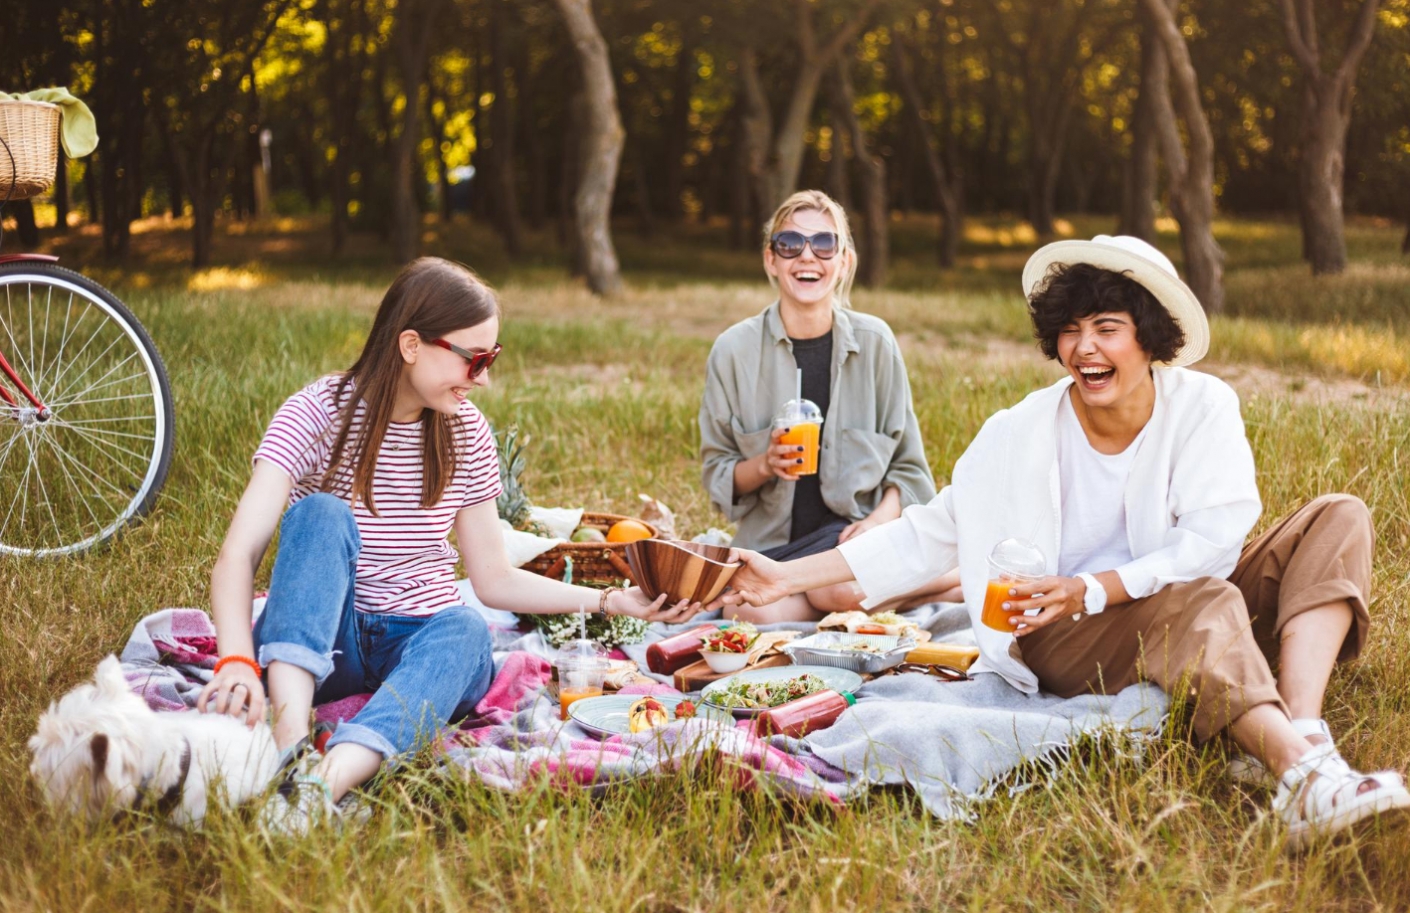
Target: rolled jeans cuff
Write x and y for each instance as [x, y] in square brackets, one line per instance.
[356, 734]
[315, 664]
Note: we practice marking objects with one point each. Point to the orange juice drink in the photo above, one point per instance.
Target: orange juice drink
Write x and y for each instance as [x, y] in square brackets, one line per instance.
[807, 436]
[995, 615]
[566, 697]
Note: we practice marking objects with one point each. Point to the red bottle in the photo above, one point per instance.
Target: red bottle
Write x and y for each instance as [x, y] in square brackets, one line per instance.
[807, 714]
[666, 656]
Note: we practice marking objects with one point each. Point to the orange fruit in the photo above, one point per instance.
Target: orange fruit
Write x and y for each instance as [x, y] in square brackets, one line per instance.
[628, 531]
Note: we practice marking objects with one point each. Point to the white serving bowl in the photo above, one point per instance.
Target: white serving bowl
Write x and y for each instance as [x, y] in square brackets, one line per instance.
[725, 662]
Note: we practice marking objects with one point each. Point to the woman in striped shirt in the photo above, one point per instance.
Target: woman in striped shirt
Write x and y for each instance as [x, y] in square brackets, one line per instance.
[371, 470]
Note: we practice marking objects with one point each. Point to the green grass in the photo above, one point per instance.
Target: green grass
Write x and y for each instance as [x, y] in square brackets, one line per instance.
[608, 392]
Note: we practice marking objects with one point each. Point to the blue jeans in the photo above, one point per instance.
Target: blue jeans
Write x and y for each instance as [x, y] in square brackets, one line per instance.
[424, 671]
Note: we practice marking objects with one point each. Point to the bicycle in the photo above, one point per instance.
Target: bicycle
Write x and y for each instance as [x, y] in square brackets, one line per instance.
[86, 420]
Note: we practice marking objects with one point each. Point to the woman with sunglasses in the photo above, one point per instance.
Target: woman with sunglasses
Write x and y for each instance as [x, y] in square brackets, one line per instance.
[371, 469]
[871, 463]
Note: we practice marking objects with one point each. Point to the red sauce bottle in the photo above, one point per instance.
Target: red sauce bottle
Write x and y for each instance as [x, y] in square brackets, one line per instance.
[666, 656]
[807, 714]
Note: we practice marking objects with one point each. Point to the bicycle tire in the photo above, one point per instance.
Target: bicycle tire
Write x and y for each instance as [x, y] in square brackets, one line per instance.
[90, 432]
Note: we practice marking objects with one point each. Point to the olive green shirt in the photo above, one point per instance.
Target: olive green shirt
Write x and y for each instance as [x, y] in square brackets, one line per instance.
[870, 437]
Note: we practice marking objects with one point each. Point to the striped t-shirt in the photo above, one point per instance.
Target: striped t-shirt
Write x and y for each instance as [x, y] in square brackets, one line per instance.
[407, 564]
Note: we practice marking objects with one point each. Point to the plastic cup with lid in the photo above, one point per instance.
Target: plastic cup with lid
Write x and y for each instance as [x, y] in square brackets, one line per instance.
[800, 423]
[1011, 561]
[582, 667]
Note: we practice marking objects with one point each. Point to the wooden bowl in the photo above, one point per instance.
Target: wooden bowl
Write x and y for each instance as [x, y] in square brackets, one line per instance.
[681, 570]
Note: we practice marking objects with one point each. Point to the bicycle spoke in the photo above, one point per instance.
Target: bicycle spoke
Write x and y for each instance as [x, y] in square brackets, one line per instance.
[116, 339]
[44, 490]
[23, 489]
[69, 423]
[104, 432]
[96, 437]
[83, 498]
[64, 339]
[66, 397]
[14, 343]
[58, 404]
[75, 461]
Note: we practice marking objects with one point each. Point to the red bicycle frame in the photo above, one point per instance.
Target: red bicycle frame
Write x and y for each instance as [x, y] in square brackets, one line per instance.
[4, 364]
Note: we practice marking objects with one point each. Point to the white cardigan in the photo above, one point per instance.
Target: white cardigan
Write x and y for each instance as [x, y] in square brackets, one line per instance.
[1191, 499]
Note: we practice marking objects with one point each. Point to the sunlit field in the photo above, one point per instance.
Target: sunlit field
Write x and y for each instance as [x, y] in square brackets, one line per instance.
[608, 393]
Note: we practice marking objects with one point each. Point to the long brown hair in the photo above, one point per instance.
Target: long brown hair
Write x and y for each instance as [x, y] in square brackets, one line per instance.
[433, 297]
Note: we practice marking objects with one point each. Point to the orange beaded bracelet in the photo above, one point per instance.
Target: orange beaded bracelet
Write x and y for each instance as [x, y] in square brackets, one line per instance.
[237, 658]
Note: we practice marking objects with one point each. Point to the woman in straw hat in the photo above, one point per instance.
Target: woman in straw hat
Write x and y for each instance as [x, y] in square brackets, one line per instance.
[1135, 479]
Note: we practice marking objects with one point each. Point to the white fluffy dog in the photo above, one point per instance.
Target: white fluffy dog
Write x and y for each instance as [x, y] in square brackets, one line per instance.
[101, 750]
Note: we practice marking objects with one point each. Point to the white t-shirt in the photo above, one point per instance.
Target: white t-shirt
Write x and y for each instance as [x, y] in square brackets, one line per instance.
[1093, 499]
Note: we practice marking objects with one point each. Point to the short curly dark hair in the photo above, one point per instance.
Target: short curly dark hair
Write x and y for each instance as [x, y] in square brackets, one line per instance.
[1071, 291]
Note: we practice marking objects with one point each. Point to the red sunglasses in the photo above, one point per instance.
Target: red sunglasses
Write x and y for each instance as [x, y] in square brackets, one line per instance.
[479, 362]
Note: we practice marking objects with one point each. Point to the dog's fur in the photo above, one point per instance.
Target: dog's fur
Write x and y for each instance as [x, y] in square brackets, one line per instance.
[100, 750]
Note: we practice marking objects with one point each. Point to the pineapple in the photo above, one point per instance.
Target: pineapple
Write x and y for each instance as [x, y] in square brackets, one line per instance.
[513, 503]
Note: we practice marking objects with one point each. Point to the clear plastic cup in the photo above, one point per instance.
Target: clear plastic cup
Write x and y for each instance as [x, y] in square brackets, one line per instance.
[1012, 561]
[582, 667]
[803, 423]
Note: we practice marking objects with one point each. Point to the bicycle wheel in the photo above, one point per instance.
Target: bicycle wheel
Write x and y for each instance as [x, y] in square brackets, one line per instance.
[72, 478]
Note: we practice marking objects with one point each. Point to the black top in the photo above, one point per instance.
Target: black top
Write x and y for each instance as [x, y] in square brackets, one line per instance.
[814, 356]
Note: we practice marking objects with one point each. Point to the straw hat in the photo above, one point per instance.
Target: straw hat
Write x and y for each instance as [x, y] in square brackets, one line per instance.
[1142, 262]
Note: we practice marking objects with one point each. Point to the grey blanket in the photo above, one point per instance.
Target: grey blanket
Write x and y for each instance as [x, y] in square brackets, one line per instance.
[955, 742]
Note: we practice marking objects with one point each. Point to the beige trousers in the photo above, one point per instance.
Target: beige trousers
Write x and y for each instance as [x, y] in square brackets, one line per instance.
[1222, 634]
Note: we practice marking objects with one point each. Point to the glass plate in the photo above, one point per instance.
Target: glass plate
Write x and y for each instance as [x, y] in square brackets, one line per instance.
[608, 716]
[834, 678]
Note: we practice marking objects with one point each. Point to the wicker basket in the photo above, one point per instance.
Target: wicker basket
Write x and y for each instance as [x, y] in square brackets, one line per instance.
[31, 130]
[594, 563]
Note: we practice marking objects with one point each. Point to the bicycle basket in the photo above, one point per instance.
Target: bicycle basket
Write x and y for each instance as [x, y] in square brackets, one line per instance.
[31, 130]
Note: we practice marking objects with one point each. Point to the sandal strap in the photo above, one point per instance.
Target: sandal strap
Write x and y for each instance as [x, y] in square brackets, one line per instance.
[1308, 726]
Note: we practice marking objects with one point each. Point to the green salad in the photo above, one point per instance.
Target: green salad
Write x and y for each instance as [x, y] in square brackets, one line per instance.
[759, 695]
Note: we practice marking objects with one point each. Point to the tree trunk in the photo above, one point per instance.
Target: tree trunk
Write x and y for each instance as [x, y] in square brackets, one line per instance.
[678, 131]
[411, 40]
[946, 197]
[874, 251]
[505, 204]
[438, 139]
[755, 133]
[601, 148]
[789, 142]
[1326, 115]
[1192, 175]
[1138, 192]
[531, 140]
[838, 182]
[61, 195]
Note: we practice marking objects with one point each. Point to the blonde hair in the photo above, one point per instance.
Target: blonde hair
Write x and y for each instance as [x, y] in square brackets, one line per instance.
[818, 201]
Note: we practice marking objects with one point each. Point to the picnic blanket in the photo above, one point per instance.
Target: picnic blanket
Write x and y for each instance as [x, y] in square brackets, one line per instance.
[954, 743]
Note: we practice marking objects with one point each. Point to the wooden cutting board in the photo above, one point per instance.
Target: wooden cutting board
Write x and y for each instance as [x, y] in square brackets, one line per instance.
[697, 675]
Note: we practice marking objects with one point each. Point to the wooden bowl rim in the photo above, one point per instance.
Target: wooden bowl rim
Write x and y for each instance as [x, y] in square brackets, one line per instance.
[681, 545]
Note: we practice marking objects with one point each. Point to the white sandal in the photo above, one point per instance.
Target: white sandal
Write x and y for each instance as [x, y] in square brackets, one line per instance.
[1245, 768]
[1316, 806]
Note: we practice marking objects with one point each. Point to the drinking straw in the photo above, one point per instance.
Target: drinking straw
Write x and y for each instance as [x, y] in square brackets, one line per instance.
[582, 621]
[798, 388]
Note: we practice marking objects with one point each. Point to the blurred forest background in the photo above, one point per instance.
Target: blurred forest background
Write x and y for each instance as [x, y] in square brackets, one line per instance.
[568, 120]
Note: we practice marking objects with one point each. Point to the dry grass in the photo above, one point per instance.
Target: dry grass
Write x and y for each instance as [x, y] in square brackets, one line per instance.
[609, 391]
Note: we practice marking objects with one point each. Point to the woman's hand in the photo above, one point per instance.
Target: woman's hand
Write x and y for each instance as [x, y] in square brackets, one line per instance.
[856, 529]
[782, 460]
[1058, 597]
[633, 602]
[759, 582]
[235, 690]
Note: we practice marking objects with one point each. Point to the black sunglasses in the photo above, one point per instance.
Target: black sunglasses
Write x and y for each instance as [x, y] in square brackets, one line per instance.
[790, 244]
[478, 362]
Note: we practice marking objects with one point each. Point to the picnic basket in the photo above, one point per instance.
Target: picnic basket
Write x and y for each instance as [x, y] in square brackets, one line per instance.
[31, 131]
[594, 563]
